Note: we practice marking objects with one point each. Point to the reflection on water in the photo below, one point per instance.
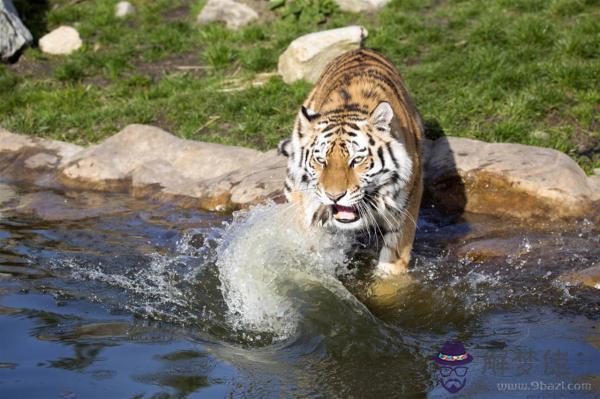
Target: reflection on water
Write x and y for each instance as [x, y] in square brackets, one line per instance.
[106, 296]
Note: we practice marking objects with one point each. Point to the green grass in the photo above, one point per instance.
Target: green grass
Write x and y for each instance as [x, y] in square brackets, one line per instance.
[523, 71]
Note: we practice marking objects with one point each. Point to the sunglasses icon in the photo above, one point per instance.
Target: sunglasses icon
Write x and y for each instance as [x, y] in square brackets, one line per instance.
[459, 371]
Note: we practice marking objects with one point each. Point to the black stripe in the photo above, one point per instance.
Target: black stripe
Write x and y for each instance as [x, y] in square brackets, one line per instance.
[331, 126]
[380, 155]
[389, 148]
[301, 161]
[349, 107]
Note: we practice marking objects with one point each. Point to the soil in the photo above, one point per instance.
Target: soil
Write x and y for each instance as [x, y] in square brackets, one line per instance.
[182, 63]
[26, 66]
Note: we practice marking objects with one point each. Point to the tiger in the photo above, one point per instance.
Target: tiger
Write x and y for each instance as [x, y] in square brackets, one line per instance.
[354, 155]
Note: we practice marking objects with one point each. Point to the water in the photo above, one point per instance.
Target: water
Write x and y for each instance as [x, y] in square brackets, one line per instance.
[107, 296]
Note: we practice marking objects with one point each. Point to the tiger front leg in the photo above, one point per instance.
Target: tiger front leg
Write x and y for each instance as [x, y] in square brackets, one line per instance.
[397, 245]
[391, 273]
[394, 256]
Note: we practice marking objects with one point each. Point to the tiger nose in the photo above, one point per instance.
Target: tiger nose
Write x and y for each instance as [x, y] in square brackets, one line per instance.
[334, 196]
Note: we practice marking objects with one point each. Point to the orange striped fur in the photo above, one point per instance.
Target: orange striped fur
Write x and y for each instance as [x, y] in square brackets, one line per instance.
[355, 155]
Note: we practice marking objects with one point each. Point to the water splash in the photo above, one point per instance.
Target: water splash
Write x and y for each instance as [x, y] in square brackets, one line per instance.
[267, 261]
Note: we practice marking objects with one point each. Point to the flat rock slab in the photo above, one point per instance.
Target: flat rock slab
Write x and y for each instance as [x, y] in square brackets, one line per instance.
[64, 152]
[148, 160]
[589, 277]
[460, 174]
[52, 207]
[32, 159]
[307, 56]
[506, 179]
[489, 248]
[7, 195]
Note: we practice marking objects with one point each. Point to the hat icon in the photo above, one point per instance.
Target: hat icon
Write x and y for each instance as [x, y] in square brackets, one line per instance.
[453, 354]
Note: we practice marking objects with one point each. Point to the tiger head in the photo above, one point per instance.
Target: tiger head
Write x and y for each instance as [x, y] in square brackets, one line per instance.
[347, 166]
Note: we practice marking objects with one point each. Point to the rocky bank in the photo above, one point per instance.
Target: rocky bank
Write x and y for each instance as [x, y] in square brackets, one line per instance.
[460, 174]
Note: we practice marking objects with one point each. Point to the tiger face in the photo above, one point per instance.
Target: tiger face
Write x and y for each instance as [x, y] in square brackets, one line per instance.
[348, 166]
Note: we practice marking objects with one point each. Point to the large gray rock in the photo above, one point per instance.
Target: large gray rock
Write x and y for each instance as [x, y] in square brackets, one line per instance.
[506, 179]
[235, 15]
[361, 5]
[147, 160]
[138, 146]
[13, 34]
[307, 56]
[61, 41]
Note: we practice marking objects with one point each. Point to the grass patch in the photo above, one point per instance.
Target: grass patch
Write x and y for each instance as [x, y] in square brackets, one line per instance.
[523, 71]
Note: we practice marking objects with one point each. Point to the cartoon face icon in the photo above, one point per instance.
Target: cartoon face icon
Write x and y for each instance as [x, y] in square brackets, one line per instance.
[453, 378]
[452, 360]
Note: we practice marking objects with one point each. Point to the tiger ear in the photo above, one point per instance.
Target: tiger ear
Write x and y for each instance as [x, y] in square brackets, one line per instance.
[309, 114]
[382, 115]
[285, 147]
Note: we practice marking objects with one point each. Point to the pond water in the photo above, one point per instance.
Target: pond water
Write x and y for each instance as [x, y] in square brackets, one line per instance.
[104, 296]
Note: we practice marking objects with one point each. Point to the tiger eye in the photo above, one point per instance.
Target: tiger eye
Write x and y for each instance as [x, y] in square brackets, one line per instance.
[357, 161]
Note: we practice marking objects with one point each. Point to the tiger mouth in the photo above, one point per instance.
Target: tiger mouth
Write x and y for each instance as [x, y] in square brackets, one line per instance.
[345, 214]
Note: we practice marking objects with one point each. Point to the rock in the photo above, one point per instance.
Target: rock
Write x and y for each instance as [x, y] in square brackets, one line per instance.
[460, 174]
[540, 135]
[594, 183]
[41, 160]
[506, 179]
[143, 156]
[7, 194]
[485, 249]
[589, 277]
[260, 180]
[33, 160]
[235, 15]
[124, 9]
[61, 41]
[306, 57]
[361, 5]
[14, 35]
[52, 207]
[55, 150]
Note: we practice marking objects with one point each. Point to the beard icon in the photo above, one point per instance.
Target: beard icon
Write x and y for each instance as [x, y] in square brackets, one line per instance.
[452, 372]
[452, 384]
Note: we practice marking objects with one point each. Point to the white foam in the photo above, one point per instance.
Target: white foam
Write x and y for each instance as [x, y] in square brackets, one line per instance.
[264, 256]
[155, 287]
